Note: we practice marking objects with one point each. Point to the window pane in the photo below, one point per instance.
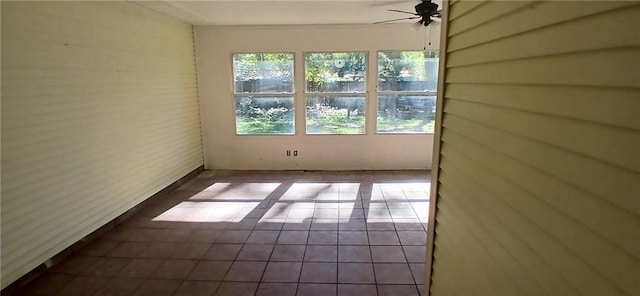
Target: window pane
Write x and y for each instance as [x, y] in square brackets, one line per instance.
[342, 115]
[335, 72]
[406, 114]
[263, 72]
[407, 71]
[264, 115]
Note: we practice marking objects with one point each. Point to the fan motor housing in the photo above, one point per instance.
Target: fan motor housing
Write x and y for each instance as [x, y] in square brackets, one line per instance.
[426, 8]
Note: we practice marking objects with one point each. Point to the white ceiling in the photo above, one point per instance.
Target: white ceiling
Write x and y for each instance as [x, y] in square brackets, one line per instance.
[282, 12]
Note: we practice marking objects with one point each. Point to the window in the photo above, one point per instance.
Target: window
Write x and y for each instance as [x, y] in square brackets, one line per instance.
[335, 92]
[264, 93]
[407, 83]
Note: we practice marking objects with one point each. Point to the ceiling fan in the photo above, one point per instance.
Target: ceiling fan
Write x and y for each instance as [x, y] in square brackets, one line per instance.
[425, 10]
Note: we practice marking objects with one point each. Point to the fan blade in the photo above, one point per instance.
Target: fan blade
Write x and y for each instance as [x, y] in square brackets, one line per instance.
[395, 20]
[437, 14]
[402, 11]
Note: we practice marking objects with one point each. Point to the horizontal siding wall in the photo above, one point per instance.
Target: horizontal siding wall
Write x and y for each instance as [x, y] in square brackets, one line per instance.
[539, 164]
[99, 112]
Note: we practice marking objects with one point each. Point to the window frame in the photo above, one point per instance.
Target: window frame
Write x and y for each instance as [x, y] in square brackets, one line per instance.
[235, 95]
[396, 93]
[365, 93]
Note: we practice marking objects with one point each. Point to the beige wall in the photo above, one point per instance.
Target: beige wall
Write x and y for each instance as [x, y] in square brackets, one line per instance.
[99, 112]
[539, 166]
[224, 150]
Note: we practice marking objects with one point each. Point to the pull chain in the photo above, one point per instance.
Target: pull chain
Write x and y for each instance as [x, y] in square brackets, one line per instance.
[427, 36]
[425, 39]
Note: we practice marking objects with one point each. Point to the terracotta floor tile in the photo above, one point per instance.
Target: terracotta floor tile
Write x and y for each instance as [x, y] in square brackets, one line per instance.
[129, 249]
[388, 254]
[317, 272]
[255, 252]
[210, 270]
[356, 290]
[98, 248]
[237, 289]
[159, 250]
[288, 253]
[204, 235]
[416, 254]
[190, 250]
[418, 272]
[353, 238]
[277, 289]
[354, 254]
[119, 286]
[48, 284]
[397, 290]
[263, 237]
[197, 288]
[245, 271]
[173, 269]
[292, 237]
[317, 289]
[323, 238]
[320, 229]
[75, 264]
[139, 268]
[393, 273]
[234, 236]
[154, 287]
[282, 272]
[82, 285]
[386, 238]
[356, 273]
[107, 267]
[222, 252]
[321, 253]
[413, 238]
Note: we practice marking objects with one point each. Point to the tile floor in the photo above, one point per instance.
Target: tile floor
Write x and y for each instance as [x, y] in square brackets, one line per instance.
[262, 233]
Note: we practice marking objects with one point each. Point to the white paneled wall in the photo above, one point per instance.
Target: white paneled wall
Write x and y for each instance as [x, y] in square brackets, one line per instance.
[99, 112]
[223, 149]
[539, 164]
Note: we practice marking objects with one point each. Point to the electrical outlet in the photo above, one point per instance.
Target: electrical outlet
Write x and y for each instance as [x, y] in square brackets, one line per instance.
[295, 152]
[288, 152]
